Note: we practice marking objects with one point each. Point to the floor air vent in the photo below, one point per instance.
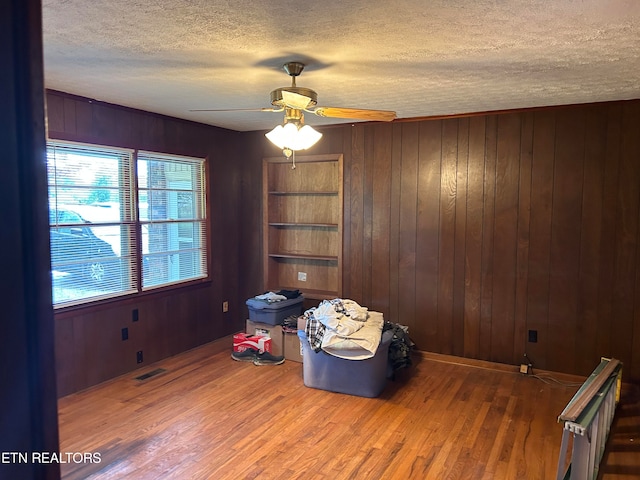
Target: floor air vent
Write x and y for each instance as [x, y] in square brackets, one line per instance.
[150, 374]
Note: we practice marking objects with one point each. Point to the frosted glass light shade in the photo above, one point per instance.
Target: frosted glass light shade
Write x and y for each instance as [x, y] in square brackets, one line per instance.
[289, 136]
[308, 137]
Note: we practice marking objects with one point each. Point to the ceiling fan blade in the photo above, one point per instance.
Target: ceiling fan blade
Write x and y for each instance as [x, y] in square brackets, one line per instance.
[295, 100]
[355, 113]
[239, 110]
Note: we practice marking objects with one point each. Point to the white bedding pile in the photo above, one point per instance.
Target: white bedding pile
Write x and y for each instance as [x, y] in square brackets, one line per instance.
[352, 332]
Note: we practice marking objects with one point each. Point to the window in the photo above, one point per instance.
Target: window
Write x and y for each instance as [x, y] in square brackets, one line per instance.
[172, 218]
[123, 221]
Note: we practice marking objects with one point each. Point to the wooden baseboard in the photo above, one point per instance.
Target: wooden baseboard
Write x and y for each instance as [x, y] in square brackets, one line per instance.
[502, 367]
[225, 344]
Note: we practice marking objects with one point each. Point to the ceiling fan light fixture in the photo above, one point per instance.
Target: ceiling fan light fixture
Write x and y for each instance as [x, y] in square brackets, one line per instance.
[293, 136]
[308, 137]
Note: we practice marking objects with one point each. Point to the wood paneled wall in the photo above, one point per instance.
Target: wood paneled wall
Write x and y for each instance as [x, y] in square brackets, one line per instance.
[473, 231]
[89, 347]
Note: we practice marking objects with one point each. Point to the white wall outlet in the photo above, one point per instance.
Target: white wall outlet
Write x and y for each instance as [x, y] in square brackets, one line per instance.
[302, 276]
[225, 307]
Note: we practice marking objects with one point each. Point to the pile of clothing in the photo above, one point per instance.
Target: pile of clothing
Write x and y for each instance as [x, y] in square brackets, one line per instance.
[400, 347]
[345, 329]
[290, 324]
[272, 297]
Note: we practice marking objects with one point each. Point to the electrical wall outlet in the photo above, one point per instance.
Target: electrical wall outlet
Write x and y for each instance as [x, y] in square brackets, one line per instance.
[302, 276]
[139, 356]
[225, 307]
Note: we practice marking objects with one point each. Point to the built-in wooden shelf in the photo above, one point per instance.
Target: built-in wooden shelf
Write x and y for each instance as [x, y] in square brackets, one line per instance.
[309, 192]
[327, 258]
[315, 294]
[302, 225]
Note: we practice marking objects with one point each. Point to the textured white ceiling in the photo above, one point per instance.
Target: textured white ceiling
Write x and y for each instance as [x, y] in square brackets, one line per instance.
[417, 57]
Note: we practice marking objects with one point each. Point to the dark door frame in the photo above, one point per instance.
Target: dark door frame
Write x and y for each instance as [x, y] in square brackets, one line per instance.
[29, 417]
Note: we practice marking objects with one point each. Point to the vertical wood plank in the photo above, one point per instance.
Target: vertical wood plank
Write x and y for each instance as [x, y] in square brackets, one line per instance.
[609, 221]
[381, 218]
[462, 169]
[407, 284]
[473, 233]
[565, 238]
[367, 218]
[331, 142]
[65, 356]
[152, 129]
[84, 119]
[346, 205]
[631, 122]
[430, 148]
[394, 227]
[505, 238]
[539, 241]
[488, 222]
[356, 215]
[55, 113]
[633, 367]
[251, 272]
[70, 123]
[591, 233]
[524, 231]
[446, 241]
[105, 122]
[239, 283]
[176, 132]
[80, 375]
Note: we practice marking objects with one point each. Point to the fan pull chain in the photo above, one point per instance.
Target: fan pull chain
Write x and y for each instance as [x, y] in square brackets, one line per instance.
[288, 153]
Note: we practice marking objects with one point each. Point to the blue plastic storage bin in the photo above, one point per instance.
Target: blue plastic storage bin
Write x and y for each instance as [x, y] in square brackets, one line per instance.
[363, 378]
[274, 313]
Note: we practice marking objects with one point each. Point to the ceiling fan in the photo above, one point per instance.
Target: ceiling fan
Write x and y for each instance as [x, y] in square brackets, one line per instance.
[293, 134]
[295, 100]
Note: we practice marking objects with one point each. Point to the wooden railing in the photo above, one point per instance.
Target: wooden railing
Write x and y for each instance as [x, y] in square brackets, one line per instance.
[587, 419]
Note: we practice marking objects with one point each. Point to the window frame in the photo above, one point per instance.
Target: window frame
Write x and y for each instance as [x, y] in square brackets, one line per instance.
[130, 202]
[200, 199]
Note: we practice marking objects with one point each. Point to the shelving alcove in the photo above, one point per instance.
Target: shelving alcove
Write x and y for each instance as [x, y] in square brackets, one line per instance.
[302, 225]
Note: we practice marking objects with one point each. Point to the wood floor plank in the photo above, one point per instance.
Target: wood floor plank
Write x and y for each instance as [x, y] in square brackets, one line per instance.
[209, 417]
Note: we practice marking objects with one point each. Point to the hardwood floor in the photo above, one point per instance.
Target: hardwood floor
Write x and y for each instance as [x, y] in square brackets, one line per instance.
[209, 417]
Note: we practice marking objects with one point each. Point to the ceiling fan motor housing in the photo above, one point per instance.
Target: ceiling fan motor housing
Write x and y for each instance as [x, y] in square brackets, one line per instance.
[277, 101]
